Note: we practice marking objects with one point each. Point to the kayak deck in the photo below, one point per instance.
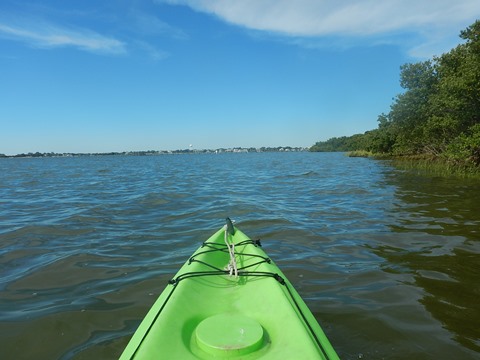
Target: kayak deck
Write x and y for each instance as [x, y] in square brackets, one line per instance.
[229, 302]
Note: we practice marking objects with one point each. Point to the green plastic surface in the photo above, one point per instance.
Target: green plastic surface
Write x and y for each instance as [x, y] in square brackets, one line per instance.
[179, 325]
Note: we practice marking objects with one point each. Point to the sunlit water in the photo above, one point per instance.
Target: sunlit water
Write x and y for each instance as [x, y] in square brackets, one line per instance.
[388, 260]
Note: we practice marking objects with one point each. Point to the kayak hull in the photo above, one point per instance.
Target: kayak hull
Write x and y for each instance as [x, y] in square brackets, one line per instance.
[246, 311]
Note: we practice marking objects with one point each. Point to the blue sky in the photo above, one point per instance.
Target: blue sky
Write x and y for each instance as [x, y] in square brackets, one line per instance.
[98, 76]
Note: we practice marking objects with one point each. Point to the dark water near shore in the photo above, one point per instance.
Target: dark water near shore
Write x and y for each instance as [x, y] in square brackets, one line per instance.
[388, 260]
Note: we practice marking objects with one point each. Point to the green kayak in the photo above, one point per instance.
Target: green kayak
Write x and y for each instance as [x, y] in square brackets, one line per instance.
[229, 301]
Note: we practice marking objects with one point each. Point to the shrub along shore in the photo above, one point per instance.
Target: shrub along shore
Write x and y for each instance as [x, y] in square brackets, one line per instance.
[435, 122]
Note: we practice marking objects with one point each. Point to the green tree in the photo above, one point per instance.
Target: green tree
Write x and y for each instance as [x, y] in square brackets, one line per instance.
[437, 114]
[455, 103]
[410, 110]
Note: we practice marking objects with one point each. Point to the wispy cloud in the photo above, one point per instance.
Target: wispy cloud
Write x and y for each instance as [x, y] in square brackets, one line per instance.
[46, 35]
[153, 52]
[151, 25]
[428, 20]
[146, 30]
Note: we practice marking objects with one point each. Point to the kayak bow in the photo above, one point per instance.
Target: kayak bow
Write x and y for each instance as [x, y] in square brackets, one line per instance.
[229, 300]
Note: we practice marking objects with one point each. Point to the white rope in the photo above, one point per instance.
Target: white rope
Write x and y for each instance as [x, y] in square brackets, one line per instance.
[232, 265]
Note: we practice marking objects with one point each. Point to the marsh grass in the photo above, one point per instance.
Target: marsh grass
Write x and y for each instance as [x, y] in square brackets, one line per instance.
[359, 153]
[428, 165]
[436, 166]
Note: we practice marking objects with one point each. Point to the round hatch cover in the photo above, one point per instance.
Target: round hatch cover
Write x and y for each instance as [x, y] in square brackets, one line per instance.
[229, 334]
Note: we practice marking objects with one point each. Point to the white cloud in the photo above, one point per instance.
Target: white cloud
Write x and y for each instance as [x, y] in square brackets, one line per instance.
[428, 19]
[46, 35]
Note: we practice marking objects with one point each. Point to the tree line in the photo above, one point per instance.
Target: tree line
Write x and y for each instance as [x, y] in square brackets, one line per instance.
[437, 115]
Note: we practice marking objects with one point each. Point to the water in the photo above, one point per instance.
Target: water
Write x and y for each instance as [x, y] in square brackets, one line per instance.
[387, 260]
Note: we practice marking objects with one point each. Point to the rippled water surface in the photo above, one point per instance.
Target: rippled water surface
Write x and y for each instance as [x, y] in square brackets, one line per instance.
[387, 260]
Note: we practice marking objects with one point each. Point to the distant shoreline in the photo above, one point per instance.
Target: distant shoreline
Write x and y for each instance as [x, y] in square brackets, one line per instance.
[161, 152]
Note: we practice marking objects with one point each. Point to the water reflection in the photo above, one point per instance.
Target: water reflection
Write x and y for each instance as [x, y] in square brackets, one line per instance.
[438, 205]
[440, 246]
